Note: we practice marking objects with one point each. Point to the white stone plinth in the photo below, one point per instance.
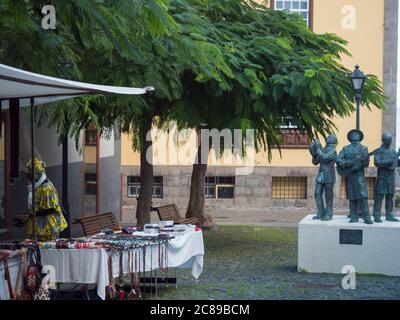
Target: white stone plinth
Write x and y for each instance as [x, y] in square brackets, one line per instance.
[319, 250]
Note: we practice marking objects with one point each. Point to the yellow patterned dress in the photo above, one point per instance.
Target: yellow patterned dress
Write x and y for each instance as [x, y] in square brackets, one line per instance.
[48, 227]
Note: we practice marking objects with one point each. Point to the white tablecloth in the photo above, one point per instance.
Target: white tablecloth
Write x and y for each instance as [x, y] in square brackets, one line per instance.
[90, 266]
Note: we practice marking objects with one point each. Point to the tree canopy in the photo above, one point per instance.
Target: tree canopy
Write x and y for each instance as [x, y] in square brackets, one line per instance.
[229, 63]
[281, 71]
[226, 63]
[122, 25]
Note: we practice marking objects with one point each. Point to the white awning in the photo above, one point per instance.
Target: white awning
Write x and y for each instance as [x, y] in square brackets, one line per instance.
[21, 84]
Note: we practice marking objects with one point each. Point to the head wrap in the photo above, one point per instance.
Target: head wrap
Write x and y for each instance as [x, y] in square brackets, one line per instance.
[40, 166]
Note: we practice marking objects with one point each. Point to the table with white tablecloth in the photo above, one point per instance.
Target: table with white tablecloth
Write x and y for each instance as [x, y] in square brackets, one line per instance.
[90, 266]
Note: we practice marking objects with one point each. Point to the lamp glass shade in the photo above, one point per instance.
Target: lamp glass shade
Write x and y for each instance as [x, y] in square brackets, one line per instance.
[357, 79]
[358, 83]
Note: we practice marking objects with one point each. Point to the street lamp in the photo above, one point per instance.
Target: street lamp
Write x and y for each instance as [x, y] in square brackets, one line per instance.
[357, 80]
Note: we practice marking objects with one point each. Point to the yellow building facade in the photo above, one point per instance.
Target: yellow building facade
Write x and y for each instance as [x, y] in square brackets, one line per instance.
[289, 179]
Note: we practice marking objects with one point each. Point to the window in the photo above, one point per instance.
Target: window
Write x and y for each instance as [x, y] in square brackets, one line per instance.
[370, 187]
[301, 7]
[292, 137]
[220, 187]
[289, 187]
[134, 186]
[158, 187]
[90, 183]
[91, 137]
[210, 187]
[295, 139]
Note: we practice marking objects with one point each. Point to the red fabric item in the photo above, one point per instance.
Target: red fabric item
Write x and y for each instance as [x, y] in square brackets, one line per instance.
[32, 279]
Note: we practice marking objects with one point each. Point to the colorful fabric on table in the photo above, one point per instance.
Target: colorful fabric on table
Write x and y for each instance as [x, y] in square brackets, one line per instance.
[109, 242]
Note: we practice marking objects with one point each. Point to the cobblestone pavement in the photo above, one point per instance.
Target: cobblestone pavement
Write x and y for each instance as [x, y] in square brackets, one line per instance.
[253, 262]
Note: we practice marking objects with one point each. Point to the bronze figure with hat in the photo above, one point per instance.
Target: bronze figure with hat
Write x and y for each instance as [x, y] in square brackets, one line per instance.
[351, 163]
[386, 160]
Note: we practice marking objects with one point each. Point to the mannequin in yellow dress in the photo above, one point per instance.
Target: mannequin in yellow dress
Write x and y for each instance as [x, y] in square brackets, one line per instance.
[49, 220]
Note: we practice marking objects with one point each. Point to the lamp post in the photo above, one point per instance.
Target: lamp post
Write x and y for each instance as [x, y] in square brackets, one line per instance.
[357, 81]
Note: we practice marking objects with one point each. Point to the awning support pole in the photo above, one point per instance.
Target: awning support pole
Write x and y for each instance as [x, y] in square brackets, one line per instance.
[33, 168]
[65, 202]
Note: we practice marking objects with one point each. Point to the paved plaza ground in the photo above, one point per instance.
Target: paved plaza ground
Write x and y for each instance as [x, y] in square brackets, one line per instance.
[274, 217]
[256, 262]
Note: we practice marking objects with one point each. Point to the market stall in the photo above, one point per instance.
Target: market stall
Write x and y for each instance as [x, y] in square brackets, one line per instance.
[91, 264]
[18, 89]
[101, 258]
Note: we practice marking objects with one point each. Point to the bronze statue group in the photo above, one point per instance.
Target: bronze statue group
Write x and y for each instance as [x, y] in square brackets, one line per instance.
[350, 164]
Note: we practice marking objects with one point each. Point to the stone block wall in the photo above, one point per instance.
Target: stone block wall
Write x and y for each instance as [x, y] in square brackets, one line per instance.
[252, 192]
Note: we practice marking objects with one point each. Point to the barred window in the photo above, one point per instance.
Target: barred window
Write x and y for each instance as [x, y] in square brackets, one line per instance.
[220, 187]
[209, 187]
[289, 187]
[370, 187]
[158, 187]
[301, 7]
[134, 186]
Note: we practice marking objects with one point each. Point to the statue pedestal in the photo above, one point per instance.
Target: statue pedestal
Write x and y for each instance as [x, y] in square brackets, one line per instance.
[328, 246]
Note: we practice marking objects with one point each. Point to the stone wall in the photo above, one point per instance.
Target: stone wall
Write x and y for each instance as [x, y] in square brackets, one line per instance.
[252, 192]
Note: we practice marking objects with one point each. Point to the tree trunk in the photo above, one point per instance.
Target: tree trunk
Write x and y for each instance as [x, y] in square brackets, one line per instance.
[146, 178]
[196, 204]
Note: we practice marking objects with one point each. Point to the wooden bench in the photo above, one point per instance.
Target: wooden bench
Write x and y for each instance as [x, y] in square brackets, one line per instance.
[171, 212]
[93, 225]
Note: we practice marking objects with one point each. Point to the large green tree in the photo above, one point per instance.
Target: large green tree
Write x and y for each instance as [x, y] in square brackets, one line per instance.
[281, 72]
